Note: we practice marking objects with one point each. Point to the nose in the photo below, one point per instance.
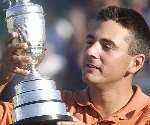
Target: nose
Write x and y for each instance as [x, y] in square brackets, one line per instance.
[94, 50]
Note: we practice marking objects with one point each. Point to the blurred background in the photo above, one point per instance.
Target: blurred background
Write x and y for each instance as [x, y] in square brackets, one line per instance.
[66, 27]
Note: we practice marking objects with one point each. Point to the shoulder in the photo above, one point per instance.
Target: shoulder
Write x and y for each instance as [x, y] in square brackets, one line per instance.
[67, 97]
[74, 100]
[144, 116]
[146, 110]
[77, 97]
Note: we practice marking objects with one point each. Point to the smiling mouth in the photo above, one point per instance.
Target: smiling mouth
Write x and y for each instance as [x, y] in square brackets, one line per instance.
[92, 66]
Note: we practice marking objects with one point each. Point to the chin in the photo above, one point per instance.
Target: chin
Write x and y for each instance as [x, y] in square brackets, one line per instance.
[89, 79]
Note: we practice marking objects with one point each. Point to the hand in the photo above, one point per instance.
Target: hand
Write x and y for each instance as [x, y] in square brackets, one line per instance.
[13, 58]
[75, 122]
[70, 123]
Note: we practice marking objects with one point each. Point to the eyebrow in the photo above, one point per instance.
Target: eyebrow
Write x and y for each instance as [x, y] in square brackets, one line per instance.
[90, 36]
[106, 40]
[109, 42]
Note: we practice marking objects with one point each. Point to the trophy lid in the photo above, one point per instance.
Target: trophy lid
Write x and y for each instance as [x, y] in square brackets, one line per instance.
[23, 7]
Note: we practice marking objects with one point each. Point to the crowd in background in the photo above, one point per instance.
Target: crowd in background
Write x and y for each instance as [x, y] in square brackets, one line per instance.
[66, 27]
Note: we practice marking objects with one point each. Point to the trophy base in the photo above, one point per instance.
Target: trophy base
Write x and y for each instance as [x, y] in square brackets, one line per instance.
[43, 120]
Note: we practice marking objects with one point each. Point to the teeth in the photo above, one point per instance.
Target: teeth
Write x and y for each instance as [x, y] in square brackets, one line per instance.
[92, 66]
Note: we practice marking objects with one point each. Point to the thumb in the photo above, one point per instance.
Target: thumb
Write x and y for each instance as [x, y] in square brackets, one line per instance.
[77, 120]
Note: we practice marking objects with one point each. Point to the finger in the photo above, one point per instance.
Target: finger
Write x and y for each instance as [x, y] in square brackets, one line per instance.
[66, 123]
[21, 71]
[15, 45]
[16, 48]
[75, 119]
[69, 123]
[21, 59]
[45, 50]
[18, 61]
[12, 36]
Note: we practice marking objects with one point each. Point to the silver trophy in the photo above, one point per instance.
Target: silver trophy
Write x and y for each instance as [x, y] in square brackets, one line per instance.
[36, 100]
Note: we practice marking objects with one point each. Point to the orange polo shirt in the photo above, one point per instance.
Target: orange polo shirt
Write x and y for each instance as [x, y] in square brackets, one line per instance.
[136, 112]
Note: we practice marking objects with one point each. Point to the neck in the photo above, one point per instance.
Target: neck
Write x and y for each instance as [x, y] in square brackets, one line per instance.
[110, 98]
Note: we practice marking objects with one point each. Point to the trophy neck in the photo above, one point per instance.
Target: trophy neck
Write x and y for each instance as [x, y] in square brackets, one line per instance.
[23, 1]
[34, 74]
[33, 70]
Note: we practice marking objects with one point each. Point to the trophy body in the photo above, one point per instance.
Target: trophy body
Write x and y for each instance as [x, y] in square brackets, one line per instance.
[36, 100]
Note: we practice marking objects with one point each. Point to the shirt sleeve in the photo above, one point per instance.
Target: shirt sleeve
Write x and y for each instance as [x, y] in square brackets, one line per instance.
[5, 113]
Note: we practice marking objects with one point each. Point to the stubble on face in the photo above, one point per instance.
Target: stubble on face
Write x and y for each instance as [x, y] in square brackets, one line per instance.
[103, 65]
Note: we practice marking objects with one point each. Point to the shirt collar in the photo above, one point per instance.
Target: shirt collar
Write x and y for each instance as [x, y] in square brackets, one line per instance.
[137, 102]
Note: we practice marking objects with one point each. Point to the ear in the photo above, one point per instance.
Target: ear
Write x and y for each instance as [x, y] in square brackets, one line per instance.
[137, 62]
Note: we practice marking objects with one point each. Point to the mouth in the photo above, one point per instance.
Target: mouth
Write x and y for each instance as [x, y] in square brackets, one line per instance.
[92, 66]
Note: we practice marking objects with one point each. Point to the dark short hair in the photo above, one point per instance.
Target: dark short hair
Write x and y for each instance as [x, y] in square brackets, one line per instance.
[134, 22]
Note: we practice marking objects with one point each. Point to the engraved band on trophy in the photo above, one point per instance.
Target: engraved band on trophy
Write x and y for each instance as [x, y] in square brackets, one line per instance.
[36, 102]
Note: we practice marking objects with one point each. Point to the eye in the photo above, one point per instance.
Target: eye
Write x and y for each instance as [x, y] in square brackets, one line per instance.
[89, 41]
[107, 44]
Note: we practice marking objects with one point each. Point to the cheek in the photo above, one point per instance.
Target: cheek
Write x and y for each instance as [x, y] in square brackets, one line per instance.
[117, 61]
[82, 58]
[121, 67]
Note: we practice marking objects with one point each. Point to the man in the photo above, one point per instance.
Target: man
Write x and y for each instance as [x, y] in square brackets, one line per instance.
[116, 47]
